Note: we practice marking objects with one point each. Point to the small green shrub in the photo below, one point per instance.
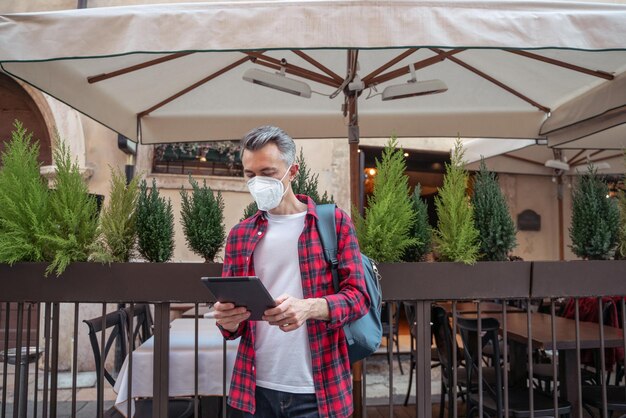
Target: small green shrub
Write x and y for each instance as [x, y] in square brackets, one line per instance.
[155, 225]
[595, 218]
[384, 231]
[117, 232]
[420, 229]
[24, 207]
[73, 213]
[491, 217]
[203, 220]
[456, 237]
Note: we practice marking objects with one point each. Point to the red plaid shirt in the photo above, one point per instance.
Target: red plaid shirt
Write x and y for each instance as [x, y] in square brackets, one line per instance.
[329, 352]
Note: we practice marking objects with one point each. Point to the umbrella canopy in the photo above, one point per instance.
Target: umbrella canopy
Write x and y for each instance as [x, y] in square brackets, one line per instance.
[532, 160]
[164, 73]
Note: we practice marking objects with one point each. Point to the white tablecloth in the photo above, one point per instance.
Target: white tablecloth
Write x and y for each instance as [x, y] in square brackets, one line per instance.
[181, 376]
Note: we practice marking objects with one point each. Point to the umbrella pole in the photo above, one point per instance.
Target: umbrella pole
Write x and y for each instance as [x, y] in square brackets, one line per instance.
[353, 136]
[355, 201]
[355, 195]
[559, 198]
[351, 111]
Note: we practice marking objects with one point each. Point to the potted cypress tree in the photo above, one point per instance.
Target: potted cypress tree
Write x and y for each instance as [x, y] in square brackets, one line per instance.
[73, 213]
[117, 232]
[456, 236]
[24, 205]
[202, 215]
[155, 225]
[384, 232]
[492, 218]
[595, 232]
[595, 219]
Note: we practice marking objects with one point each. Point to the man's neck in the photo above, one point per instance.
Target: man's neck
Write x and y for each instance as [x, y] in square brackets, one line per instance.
[289, 205]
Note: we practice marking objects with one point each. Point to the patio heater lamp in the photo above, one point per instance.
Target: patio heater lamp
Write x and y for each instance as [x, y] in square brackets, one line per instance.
[277, 81]
[414, 88]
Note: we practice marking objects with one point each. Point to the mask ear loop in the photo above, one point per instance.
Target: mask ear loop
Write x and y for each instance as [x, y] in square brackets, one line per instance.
[283, 178]
[286, 172]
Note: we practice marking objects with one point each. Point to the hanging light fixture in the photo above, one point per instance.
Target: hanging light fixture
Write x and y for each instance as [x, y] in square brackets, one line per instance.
[414, 88]
[278, 81]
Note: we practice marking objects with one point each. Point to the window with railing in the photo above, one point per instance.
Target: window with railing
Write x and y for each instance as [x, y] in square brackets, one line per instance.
[214, 158]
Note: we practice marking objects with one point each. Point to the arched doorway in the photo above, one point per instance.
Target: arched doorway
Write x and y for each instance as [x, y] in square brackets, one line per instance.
[16, 103]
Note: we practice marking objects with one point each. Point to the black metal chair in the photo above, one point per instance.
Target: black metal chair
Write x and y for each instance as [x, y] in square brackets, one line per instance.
[115, 324]
[143, 324]
[440, 356]
[493, 393]
[443, 334]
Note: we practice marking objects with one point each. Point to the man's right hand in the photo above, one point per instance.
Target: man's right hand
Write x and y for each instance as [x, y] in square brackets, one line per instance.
[229, 316]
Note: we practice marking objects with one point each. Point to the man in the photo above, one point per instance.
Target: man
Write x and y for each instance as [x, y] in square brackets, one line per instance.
[294, 363]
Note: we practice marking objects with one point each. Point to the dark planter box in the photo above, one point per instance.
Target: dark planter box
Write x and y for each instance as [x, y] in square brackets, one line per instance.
[579, 278]
[117, 282]
[179, 282]
[437, 281]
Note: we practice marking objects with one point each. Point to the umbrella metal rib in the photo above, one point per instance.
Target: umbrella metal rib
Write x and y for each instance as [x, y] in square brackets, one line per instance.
[596, 73]
[106, 76]
[317, 64]
[193, 86]
[494, 81]
[573, 161]
[387, 65]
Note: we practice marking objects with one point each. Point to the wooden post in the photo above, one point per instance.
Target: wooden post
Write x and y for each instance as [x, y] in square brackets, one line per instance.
[353, 140]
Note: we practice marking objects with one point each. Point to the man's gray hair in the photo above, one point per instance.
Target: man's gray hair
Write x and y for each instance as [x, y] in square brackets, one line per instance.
[263, 135]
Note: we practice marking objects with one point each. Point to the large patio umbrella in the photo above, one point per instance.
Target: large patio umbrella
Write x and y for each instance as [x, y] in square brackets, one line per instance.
[163, 73]
[513, 69]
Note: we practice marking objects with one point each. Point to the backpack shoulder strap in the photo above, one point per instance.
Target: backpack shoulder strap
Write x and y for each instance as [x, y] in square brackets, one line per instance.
[327, 229]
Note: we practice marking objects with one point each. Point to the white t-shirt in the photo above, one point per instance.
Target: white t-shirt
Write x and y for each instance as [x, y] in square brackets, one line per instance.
[283, 359]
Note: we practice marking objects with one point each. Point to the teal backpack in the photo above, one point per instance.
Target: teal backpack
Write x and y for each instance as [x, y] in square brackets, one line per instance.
[365, 334]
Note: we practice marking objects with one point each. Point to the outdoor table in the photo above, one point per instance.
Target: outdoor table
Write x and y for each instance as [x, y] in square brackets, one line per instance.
[541, 338]
[181, 361]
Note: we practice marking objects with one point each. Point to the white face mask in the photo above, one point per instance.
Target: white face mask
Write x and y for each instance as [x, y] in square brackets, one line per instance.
[268, 192]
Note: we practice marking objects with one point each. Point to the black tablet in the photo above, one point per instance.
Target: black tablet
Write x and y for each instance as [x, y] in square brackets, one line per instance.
[245, 291]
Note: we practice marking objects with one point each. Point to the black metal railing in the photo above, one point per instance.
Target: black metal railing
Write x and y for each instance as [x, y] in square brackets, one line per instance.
[537, 313]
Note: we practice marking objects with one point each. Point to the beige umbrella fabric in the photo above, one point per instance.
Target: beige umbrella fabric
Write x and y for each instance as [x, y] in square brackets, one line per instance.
[194, 91]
